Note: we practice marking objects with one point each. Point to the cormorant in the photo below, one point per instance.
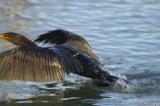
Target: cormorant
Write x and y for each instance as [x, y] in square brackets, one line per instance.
[70, 53]
[67, 38]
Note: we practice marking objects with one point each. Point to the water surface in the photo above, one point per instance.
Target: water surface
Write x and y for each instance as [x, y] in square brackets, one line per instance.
[123, 33]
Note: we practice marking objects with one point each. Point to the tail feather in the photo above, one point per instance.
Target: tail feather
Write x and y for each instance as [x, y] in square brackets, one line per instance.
[94, 70]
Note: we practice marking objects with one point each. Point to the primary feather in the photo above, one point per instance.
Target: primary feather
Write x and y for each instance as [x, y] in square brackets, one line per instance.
[36, 64]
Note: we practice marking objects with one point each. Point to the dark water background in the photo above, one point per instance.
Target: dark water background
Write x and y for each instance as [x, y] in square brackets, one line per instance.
[125, 34]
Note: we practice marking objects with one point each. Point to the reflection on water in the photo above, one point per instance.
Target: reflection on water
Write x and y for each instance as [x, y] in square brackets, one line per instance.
[35, 94]
[124, 33]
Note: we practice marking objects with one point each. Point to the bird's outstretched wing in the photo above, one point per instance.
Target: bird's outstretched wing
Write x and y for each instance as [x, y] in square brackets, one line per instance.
[36, 64]
[68, 38]
[80, 45]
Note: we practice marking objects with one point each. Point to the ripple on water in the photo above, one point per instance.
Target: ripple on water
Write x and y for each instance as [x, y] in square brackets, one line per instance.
[125, 34]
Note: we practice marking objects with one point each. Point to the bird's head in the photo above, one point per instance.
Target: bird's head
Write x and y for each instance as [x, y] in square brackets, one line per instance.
[16, 39]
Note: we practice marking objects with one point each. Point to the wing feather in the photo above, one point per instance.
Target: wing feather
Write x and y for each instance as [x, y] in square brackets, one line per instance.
[35, 64]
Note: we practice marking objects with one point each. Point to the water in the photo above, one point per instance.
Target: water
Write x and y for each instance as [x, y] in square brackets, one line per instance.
[123, 33]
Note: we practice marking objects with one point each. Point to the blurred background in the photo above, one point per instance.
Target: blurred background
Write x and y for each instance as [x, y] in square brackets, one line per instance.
[125, 34]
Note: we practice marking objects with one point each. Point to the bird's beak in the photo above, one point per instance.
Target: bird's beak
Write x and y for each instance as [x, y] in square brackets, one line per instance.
[4, 37]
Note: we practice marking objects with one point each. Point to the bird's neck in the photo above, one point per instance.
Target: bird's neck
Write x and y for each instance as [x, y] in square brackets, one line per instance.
[27, 42]
[32, 44]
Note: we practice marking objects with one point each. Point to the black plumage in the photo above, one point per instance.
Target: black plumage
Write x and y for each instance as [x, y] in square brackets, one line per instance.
[70, 53]
[67, 38]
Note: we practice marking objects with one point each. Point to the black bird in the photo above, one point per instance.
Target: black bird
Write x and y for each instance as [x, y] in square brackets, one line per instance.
[67, 38]
[70, 53]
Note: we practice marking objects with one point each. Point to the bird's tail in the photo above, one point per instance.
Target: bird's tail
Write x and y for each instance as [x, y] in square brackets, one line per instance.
[107, 79]
[94, 70]
[110, 80]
